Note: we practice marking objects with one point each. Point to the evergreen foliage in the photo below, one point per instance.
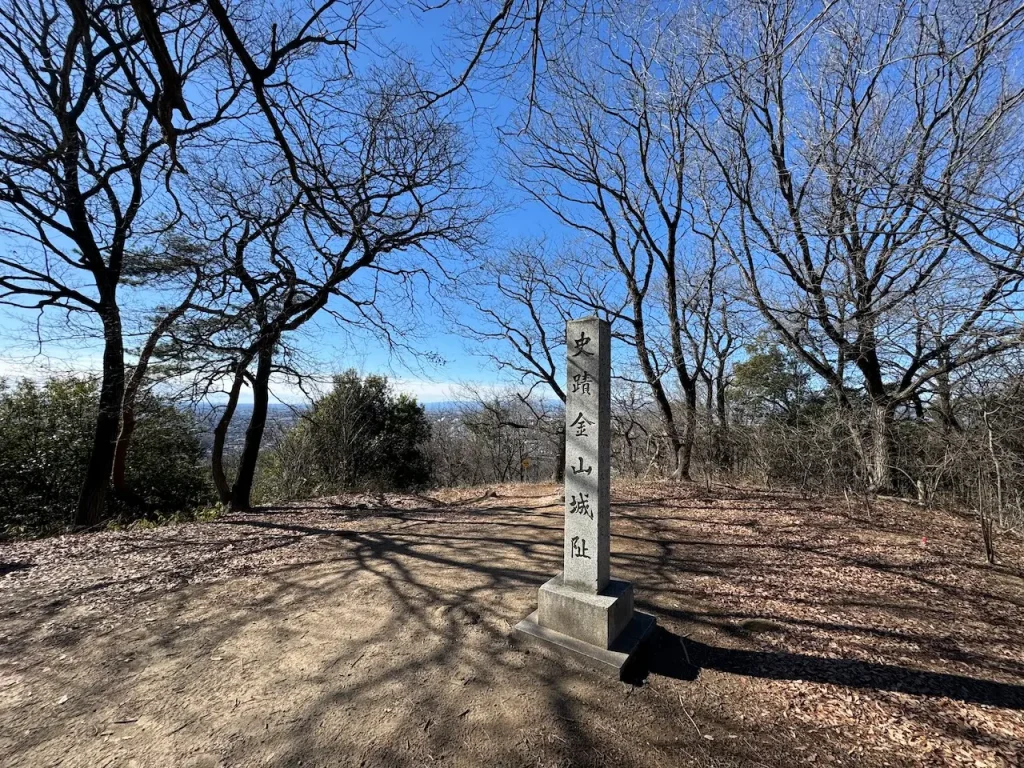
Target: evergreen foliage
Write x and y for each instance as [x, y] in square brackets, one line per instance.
[45, 438]
[358, 437]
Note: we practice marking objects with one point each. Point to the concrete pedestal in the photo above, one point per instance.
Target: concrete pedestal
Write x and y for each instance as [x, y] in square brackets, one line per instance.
[595, 619]
[602, 631]
[614, 661]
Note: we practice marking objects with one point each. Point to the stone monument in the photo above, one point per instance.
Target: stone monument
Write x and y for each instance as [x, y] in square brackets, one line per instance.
[582, 611]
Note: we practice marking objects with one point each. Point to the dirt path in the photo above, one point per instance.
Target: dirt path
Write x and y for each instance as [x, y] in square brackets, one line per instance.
[792, 633]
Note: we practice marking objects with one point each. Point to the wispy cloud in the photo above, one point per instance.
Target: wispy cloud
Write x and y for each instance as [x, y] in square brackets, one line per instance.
[39, 368]
[424, 390]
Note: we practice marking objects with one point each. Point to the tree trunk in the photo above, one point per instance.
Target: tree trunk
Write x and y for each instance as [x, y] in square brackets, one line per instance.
[689, 430]
[672, 432]
[560, 457]
[220, 434]
[92, 498]
[879, 460]
[636, 297]
[709, 410]
[658, 390]
[722, 453]
[124, 438]
[944, 392]
[682, 447]
[241, 491]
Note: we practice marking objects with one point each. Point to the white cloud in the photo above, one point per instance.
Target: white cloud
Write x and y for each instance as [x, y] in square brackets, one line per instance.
[39, 368]
[431, 391]
[424, 390]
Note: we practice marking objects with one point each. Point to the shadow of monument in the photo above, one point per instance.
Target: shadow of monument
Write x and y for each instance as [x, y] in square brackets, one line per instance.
[670, 655]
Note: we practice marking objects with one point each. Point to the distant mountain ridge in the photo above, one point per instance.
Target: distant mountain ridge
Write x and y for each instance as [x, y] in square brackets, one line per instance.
[280, 418]
[245, 408]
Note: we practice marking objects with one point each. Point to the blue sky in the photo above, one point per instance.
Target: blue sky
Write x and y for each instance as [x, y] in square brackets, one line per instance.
[330, 346]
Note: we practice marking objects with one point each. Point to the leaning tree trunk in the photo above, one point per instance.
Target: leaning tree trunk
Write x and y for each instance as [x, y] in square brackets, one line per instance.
[241, 491]
[131, 392]
[682, 446]
[124, 437]
[120, 468]
[679, 472]
[92, 498]
[220, 434]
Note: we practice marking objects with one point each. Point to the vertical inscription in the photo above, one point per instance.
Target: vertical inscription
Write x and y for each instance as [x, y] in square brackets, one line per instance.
[587, 434]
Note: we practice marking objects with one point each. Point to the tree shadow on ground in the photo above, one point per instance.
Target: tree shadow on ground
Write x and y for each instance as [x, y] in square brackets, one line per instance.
[670, 655]
[412, 608]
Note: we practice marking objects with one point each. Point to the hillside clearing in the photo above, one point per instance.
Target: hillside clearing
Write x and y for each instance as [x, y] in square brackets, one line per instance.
[363, 631]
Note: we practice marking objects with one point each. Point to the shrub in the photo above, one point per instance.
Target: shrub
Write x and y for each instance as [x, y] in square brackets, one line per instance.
[360, 436]
[45, 438]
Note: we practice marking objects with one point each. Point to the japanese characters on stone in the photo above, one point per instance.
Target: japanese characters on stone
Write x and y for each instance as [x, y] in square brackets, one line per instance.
[588, 346]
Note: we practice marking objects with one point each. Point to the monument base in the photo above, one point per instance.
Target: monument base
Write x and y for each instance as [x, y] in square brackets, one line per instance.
[600, 630]
[595, 619]
[614, 661]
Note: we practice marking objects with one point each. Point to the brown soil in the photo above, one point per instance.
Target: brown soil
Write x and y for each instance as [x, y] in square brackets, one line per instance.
[377, 632]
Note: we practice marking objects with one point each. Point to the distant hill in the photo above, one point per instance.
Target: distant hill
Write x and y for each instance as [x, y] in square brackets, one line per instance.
[443, 405]
[280, 418]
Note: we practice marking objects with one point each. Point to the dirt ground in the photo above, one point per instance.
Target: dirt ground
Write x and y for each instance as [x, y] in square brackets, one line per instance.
[360, 631]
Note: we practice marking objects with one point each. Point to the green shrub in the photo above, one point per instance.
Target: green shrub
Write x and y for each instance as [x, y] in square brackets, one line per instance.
[360, 436]
[44, 449]
[45, 438]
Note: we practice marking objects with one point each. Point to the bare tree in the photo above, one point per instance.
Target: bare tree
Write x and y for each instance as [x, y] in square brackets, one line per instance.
[511, 430]
[85, 158]
[850, 141]
[88, 166]
[388, 191]
[716, 334]
[517, 321]
[515, 316]
[607, 152]
[510, 41]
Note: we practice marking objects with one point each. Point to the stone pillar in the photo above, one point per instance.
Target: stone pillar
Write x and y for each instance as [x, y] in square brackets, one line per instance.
[582, 611]
[587, 454]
